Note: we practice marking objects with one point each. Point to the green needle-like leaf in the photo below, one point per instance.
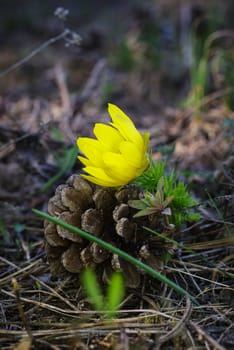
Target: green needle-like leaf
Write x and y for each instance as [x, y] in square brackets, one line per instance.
[117, 251]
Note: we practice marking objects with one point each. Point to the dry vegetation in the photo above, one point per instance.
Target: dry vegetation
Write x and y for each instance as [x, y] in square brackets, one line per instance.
[44, 107]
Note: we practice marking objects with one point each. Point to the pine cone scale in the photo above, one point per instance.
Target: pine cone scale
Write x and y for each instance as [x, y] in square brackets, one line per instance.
[104, 213]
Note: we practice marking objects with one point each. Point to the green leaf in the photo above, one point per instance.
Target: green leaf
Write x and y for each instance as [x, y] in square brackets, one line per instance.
[145, 212]
[115, 293]
[149, 179]
[92, 288]
[137, 204]
[150, 199]
[57, 134]
[117, 251]
[168, 200]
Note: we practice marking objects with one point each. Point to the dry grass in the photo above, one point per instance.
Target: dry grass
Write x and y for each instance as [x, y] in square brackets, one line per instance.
[54, 314]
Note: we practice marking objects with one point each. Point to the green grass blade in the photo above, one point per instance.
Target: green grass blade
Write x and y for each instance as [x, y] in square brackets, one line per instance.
[117, 251]
[92, 288]
[115, 293]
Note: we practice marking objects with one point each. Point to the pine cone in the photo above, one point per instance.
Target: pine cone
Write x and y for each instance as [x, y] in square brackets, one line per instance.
[105, 213]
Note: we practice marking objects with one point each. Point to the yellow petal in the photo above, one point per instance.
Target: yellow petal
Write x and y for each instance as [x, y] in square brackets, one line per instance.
[85, 161]
[99, 176]
[91, 149]
[124, 124]
[117, 155]
[99, 182]
[121, 180]
[108, 137]
[131, 154]
[117, 167]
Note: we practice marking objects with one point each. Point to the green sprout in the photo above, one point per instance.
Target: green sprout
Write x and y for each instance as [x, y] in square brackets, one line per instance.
[149, 179]
[206, 57]
[161, 190]
[115, 292]
[153, 203]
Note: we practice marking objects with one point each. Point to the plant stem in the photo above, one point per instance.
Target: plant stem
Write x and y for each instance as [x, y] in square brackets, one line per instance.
[117, 251]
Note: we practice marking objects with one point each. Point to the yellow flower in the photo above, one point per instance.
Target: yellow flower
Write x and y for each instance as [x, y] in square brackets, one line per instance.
[118, 154]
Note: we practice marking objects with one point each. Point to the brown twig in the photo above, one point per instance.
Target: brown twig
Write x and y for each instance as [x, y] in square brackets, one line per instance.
[23, 317]
[66, 35]
[171, 334]
[19, 271]
[206, 336]
[54, 292]
[60, 79]
[93, 79]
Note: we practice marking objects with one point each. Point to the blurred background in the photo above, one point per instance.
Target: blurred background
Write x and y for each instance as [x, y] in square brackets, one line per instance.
[168, 64]
[157, 45]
